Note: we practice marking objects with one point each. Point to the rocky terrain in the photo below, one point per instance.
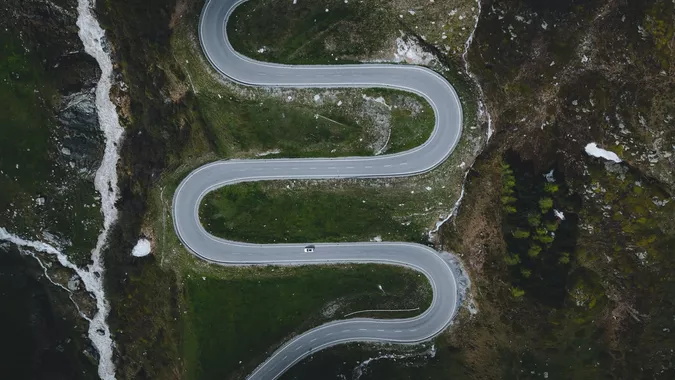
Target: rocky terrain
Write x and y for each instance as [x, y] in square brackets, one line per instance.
[596, 301]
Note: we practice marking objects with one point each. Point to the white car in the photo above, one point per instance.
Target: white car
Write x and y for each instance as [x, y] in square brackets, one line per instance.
[309, 249]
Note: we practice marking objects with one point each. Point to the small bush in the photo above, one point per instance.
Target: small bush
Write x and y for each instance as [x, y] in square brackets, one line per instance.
[551, 188]
[534, 250]
[545, 204]
[517, 292]
[512, 259]
[521, 234]
[564, 258]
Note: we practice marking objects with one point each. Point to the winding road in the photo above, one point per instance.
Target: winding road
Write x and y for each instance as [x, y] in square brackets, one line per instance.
[187, 198]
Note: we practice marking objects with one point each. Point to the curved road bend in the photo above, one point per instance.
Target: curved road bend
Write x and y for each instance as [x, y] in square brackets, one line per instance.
[424, 82]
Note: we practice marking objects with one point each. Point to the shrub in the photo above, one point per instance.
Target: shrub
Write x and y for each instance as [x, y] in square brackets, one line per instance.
[564, 258]
[534, 250]
[551, 188]
[551, 226]
[545, 204]
[534, 220]
[517, 292]
[521, 234]
[512, 259]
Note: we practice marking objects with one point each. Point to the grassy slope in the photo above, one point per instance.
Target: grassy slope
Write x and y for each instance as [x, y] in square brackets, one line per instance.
[253, 213]
[231, 323]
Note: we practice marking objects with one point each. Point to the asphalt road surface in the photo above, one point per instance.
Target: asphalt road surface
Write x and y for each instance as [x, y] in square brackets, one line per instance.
[424, 82]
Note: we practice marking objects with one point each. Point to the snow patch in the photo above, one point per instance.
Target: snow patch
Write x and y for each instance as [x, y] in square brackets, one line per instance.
[142, 248]
[549, 176]
[592, 149]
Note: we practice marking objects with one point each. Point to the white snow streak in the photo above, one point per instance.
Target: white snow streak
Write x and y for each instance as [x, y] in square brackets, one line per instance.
[592, 149]
[92, 36]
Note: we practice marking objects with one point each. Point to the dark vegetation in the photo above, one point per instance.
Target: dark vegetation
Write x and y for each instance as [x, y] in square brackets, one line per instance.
[540, 244]
[40, 334]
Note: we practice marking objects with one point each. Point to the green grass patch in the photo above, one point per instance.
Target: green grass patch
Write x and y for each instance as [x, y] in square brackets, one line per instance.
[231, 323]
[246, 212]
[278, 31]
[267, 125]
